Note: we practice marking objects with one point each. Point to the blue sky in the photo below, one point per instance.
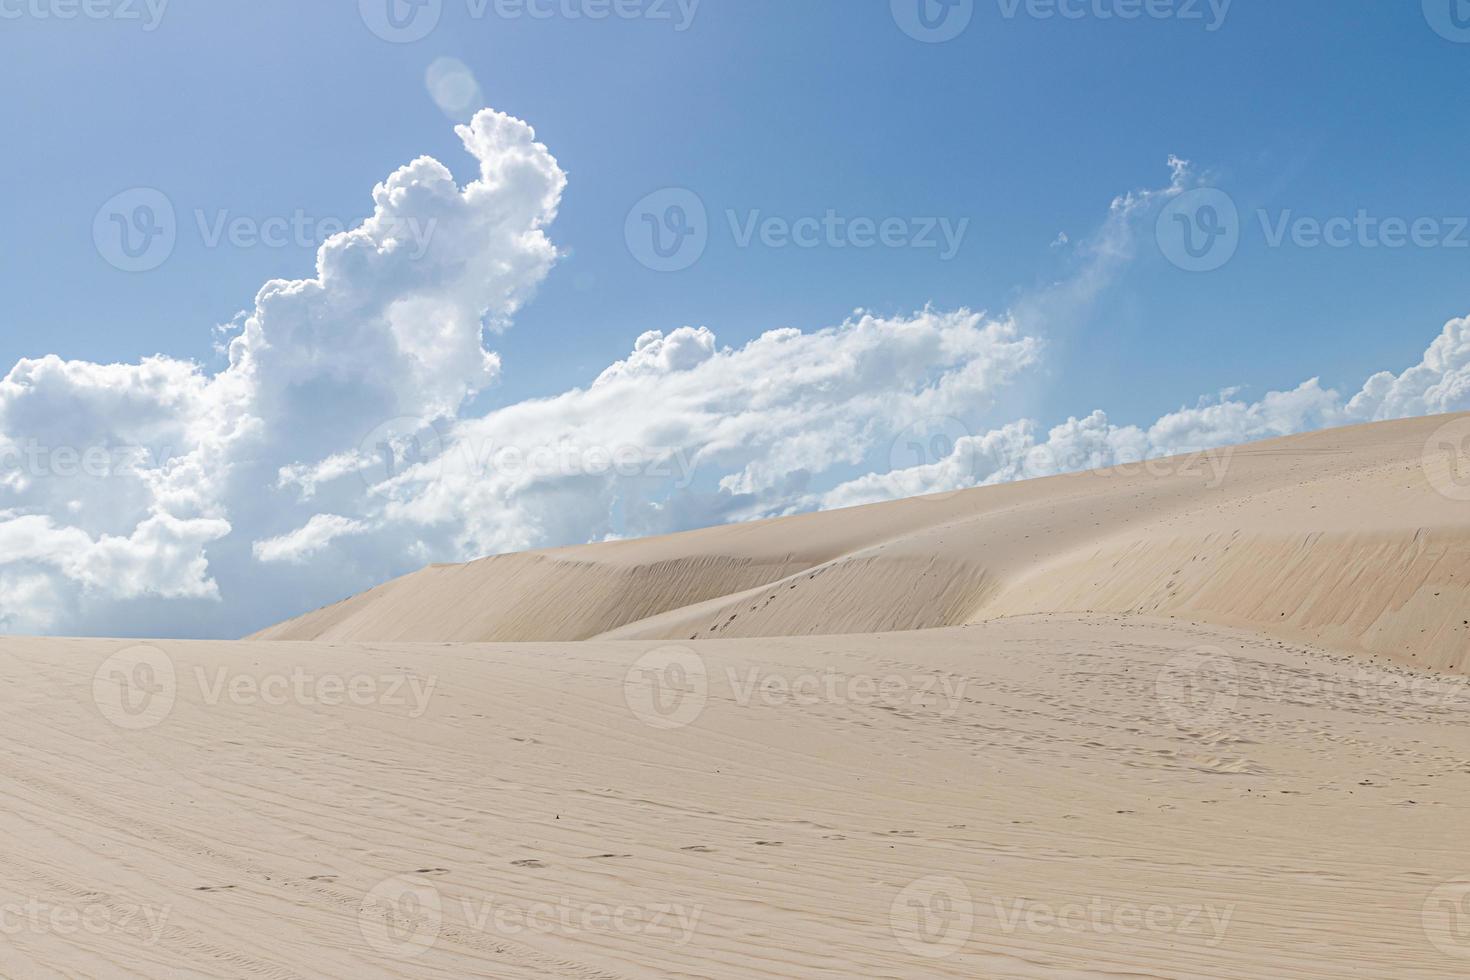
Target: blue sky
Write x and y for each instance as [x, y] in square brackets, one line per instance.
[1024, 128]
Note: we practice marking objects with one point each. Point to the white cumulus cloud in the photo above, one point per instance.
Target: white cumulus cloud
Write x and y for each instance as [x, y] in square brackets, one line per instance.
[151, 480]
[308, 540]
[332, 450]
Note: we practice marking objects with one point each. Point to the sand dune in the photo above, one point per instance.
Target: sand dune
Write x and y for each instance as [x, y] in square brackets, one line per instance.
[1037, 797]
[1343, 538]
[1134, 723]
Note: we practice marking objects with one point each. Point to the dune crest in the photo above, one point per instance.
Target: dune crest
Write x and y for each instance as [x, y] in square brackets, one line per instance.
[1339, 538]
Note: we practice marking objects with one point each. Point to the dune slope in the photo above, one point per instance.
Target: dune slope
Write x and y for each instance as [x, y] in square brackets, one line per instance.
[1345, 537]
[1081, 797]
[1133, 723]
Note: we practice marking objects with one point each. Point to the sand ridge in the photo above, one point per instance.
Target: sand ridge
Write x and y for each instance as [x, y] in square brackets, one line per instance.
[1346, 538]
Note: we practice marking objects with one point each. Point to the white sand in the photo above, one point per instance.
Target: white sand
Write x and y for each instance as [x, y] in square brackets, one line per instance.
[1339, 537]
[1213, 778]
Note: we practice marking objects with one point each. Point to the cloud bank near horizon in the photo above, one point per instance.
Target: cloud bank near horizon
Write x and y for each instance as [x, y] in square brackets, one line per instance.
[333, 448]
